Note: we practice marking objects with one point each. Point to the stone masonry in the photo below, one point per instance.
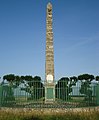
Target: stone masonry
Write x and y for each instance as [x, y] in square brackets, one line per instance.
[49, 65]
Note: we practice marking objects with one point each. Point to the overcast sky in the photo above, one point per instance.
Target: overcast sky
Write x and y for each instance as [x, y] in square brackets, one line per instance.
[23, 37]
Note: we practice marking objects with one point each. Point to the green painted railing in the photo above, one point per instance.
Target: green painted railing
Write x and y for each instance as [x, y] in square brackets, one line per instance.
[32, 94]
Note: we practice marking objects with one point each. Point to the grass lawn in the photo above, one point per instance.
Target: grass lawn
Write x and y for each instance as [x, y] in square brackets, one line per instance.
[49, 114]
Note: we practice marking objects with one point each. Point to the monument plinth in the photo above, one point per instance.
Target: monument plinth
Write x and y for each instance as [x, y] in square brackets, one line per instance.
[49, 65]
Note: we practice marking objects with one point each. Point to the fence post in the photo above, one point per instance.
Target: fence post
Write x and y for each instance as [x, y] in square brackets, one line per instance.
[0, 96]
[97, 94]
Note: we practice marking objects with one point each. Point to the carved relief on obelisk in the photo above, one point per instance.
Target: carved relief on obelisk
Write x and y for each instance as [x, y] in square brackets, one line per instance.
[49, 67]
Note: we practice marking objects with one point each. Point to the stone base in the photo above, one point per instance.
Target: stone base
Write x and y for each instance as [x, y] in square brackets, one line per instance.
[50, 93]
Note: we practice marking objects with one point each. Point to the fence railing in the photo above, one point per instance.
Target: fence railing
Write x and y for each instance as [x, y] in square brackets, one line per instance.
[32, 94]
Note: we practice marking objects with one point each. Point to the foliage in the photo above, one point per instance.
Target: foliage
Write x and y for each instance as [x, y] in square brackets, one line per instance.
[86, 77]
[9, 78]
[97, 78]
[12, 80]
[85, 85]
[28, 78]
[64, 87]
[34, 86]
[7, 95]
[73, 80]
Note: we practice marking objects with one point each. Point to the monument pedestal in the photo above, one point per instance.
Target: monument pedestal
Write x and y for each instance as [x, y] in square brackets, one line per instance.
[49, 92]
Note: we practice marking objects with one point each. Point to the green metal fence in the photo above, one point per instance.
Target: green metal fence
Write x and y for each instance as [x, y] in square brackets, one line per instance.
[32, 94]
[97, 94]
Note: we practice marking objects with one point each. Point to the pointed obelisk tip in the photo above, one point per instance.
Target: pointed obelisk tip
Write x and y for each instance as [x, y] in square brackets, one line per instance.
[49, 4]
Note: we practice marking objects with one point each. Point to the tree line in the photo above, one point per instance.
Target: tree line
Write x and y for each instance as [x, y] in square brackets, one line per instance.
[63, 87]
[15, 78]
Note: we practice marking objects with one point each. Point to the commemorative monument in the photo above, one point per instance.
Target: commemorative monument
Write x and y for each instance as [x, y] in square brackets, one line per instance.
[49, 63]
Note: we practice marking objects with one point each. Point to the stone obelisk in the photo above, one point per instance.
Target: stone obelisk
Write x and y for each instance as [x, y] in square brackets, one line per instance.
[49, 69]
[49, 65]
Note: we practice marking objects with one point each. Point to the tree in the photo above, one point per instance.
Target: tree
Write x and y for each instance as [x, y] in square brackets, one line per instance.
[37, 78]
[85, 85]
[17, 81]
[97, 78]
[87, 77]
[22, 78]
[7, 95]
[73, 80]
[28, 78]
[34, 86]
[64, 87]
[7, 90]
[13, 80]
[10, 78]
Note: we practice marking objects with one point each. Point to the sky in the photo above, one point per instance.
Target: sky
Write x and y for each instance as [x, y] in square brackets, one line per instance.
[23, 37]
